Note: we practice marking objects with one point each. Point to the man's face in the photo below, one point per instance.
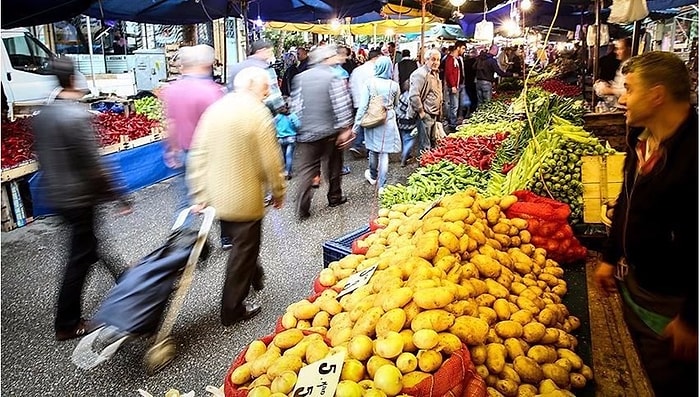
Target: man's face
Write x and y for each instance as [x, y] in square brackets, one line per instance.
[636, 100]
[621, 51]
[302, 54]
[462, 50]
[433, 62]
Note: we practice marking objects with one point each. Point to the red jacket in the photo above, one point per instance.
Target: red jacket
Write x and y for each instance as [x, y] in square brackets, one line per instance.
[452, 71]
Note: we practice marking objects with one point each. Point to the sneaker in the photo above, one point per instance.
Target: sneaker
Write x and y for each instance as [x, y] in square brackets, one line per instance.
[368, 176]
[226, 243]
[345, 170]
[268, 200]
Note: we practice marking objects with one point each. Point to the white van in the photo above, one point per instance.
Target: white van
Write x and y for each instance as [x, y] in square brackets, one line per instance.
[26, 80]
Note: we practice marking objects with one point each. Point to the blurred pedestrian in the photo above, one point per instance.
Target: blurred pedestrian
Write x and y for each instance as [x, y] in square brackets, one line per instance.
[184, 101]
[238, 133]
[385, 138]
[262, 56]
[611, 91]
[406, 124]
[302, 55]
[470, 81]
[287, 124]
[453, 74]
[404, 68]
[76, 180]
[652, 251]
[320, 98]
[425, 93]
[486, 67]
[358, 80]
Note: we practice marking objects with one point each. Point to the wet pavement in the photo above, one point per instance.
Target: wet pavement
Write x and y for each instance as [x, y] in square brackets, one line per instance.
[34, 364]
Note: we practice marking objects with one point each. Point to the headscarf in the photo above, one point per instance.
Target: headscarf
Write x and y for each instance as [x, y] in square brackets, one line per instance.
[383, 67]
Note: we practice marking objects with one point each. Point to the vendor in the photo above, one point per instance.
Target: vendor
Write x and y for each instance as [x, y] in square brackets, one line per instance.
[611, 91]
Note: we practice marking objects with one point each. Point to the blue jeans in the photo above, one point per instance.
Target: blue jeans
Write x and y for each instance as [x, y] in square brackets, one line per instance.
[379, 167]
[407, 141]
[452, 100]
[288, 144]
[183, 195]
[484, 89]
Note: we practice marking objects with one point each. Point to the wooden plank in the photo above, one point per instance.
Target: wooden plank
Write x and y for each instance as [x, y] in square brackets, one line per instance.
[19, 171]
[616, 366]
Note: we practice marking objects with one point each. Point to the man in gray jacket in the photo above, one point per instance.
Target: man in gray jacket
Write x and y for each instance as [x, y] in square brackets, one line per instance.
[261, 56]
[324, 107]
[425, 95]
[76, 180]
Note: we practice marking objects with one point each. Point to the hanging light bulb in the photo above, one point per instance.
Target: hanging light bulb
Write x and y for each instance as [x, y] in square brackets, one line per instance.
[335, 24]
[390, 32]
[259, 22]
[457, 3]
[525, 5]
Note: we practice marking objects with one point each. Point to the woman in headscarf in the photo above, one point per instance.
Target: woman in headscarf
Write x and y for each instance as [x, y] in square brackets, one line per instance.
[382, 139]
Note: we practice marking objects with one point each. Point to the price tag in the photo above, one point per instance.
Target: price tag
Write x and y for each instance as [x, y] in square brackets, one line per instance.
[320, 378]
[357, 280]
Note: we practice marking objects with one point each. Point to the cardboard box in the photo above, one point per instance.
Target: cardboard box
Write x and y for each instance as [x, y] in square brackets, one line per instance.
[602, 181]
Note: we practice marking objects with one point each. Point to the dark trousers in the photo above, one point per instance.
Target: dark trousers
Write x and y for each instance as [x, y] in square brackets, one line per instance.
[311, 156]
[241, 267]
[83, 253]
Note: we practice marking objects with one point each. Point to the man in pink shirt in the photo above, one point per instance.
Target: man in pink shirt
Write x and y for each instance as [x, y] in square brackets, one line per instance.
[184, 102]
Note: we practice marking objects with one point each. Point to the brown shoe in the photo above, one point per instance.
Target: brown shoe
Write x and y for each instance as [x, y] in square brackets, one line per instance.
[79, 330]
[316, 182]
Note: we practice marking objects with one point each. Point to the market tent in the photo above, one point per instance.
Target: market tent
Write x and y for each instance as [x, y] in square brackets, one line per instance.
[36, 12]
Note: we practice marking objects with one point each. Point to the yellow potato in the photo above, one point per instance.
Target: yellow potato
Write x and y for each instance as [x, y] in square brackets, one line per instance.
[502, 309]
[407, 336]
[427, 246]
[533, 332]
[317, 350]
[470, 330]
[495, 357]
[397, 298]
[393, 320]
[376, 362]
[542, 354]
[573, 358]
[256, 349]
[241, 375]
[507, 387]
[528, 369]
[448, 343]
[433, 298]
[411, 379]
[478, 354]
[558, 374]
[509, 329]
[321, 319]
[514, 348]
[527, 390]
[288, 338]
[262, 363]
[260, 390]
[449, 240]
[456, 214]
[510, 374]
[367, 323]
[429, 360]
[425, 339]
[577, 381]
[284, 383]
[407, 362]
[388, 346]
[488, 267]
[436, 319]
[284, 363]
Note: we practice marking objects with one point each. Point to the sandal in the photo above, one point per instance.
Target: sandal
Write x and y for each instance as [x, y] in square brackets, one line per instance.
[79, 330]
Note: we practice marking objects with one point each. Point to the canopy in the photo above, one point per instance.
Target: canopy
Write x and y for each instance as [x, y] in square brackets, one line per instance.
[180, 12]
[541, 13]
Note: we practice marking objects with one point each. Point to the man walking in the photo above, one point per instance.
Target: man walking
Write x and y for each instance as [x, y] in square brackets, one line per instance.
[358, 79]
[486, 66]
[261, 56]
[76, 180]
[320, 98]
[425, 95]
[238, 133]
[292, 71]
[404, 68]
[452, 83]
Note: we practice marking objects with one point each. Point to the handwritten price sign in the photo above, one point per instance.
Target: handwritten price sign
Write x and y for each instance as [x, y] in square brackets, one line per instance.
[357, 280]
[320, 379]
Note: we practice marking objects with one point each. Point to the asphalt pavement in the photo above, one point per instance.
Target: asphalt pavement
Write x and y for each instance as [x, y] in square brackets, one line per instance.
[32, 258]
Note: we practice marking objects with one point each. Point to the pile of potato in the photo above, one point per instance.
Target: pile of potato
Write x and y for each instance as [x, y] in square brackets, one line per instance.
[461, 274]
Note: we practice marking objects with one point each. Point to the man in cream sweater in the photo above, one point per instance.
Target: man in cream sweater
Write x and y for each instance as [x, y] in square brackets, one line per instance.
[234, 160]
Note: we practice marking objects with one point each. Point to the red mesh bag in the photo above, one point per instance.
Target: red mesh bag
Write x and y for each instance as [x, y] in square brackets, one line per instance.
[373, 225]
[456, 377]
[318, 287]
[357, 250]
[278, 325]
[548, 223]
[231, 390]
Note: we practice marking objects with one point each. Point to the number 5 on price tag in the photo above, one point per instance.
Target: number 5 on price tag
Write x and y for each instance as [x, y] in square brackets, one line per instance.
[357, 280]
[320, 378]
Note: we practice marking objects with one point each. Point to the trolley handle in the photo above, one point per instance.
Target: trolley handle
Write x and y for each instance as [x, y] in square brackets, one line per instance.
[208, 213]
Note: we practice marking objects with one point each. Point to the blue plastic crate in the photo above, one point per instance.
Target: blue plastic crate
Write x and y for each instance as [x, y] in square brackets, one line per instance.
[338, 248]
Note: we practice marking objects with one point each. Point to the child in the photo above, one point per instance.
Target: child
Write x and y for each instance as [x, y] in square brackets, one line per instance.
[406, 125]
[287, 124]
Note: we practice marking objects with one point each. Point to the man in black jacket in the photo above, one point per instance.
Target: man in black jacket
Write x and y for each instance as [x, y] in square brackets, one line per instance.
[653, 249]
[76, 180]
[486, 66]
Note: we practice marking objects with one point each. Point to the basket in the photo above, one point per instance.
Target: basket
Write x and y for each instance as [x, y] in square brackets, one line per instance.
[338, 248]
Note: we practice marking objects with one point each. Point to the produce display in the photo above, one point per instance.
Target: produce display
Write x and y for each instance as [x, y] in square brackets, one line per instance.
[461, 276]
[110, 126]
[150, 107]
[476, 151]
[17, 142]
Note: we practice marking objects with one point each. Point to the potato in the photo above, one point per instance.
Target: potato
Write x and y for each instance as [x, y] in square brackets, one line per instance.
[495, 357]
[551, 336]
[496, 289]
[547, 317]
[564, 363]
[406, 362]
[389, 346]
[509, 329]
[427, 246]
[526, 390]
[449, 240]
[262, 363]
[456, 214]
[260, 390]
[433, 298]
[425, 339]
[507, 387]
[510, 374]
[487, 266]
[317, 350]
[528, 369]
[255, 349]
[299, 349]
[533, 332]
[448, 343]
[284, 383]
[456, 228]
[577, 381]
[523, 317]
[407, 336]
[343, 335]
[470, 330]
[558, 374]
[321, 319]
[492, 392]
[514, 348]
[485, 300]
[367, 323]
[478, 354]
[284, 363]
[413, 378]
[547, 386]
[482, 371]
[573, 358]
[429, 360]
[376, 362]
[241, 375]
[502, 309]
[542, 354]
[436, 319]
[587, 372]
[393, 320]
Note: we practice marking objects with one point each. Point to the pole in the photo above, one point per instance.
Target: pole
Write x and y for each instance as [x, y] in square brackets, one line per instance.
[596, 49]
[89, 38]
[244, 9]
[422, 30]
[636, 37]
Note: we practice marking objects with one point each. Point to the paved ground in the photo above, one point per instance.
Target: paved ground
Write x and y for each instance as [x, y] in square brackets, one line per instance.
[34, 364]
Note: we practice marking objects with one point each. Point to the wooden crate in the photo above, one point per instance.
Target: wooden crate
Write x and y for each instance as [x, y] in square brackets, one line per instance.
[602, 181]
[8, 219]
[19, 171]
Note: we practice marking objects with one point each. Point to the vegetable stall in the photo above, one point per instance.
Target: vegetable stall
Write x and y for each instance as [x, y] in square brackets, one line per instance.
[470, 280]
[125, 130]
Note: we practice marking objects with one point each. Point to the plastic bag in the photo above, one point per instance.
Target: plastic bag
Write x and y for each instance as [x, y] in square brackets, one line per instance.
[623, 12]
[464, 100]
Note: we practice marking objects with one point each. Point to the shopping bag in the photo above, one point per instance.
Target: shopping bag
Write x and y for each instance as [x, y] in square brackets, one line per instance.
[375, 114]
[438, 131]
[464, 100]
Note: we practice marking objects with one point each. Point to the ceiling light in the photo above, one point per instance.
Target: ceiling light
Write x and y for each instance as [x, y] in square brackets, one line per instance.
[525, 5]
[457, 3]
